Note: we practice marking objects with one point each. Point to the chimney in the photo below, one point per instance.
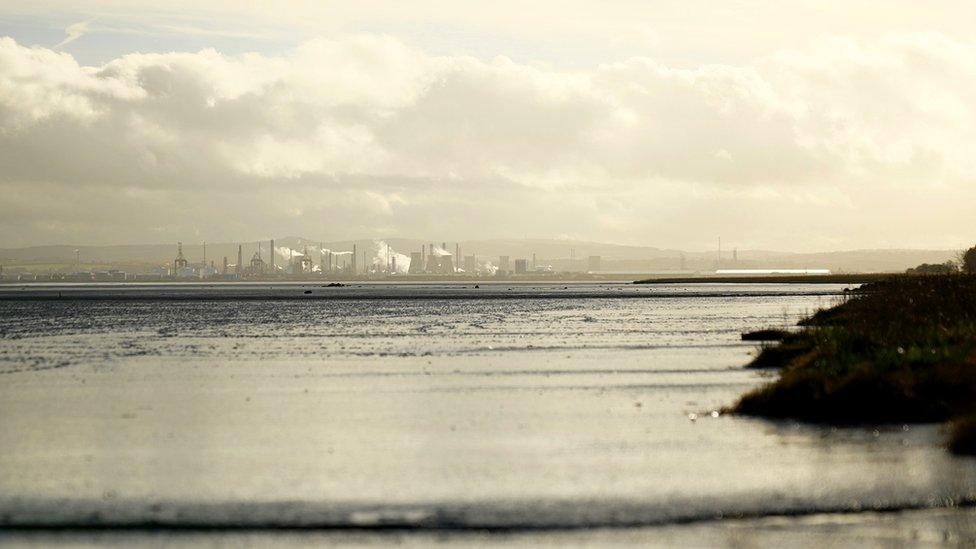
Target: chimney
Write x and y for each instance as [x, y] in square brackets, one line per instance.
[272, 257]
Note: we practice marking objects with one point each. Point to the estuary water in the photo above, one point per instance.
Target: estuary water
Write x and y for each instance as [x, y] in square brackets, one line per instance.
[426, 407]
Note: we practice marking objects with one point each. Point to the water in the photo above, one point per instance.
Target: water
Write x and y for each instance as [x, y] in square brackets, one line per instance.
[423, 406]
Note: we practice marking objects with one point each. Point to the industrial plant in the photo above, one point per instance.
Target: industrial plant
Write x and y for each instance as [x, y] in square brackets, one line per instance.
[268, 261]
[402, 259]
[320, 262]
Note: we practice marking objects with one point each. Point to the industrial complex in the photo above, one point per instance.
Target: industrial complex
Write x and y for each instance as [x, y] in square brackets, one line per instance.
[271, 262]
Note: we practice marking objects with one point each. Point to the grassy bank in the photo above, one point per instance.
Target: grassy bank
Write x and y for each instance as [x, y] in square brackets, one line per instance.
[862, 278]
[901, 350]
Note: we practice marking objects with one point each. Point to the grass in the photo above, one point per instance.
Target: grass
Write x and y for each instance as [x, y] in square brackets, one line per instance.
[902, 350]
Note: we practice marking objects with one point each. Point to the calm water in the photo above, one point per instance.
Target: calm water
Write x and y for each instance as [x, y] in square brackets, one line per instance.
[423, 405]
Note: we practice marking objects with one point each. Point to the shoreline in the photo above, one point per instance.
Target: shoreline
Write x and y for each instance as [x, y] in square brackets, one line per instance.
[899, 351]
[935, 527]
[863, 278]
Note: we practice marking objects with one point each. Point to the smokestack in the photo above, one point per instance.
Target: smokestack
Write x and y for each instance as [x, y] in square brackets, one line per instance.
[423, 257]
[240, 258]
[353, 259]
[272, 257]
[205, 253]
[457, 256]
[225, 264]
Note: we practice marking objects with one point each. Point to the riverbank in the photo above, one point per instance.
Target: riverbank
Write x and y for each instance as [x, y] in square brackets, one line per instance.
[898, 351]
[862, 278]
[952, 526]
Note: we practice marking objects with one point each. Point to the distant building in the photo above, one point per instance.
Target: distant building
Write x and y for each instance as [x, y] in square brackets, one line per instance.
[521, 266]
[470, 264]
[503, 265]
[180, 262]
[79, 277]
[440, 264]
[302, 264]
[416, 263]
[257, 266]
[108, 276]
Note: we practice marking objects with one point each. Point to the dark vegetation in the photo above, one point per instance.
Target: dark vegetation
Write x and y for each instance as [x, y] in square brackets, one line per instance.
[963, 437]
[768, 334]
[948, 267]
[902, 350]
[968, 261]
[862, 278]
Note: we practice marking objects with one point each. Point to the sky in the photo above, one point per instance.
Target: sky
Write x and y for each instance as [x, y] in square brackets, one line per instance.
[792, 125]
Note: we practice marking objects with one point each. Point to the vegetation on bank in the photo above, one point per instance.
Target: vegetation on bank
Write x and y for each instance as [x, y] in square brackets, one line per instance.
[949, 267]
[902, 350]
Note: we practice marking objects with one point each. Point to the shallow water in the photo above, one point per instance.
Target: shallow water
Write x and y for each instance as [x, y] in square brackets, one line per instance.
[544, 406]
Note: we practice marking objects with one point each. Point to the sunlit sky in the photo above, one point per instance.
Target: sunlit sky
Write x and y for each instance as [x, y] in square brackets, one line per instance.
[789, 125]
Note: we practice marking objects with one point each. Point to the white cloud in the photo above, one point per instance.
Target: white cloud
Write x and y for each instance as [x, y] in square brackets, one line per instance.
[363, 133]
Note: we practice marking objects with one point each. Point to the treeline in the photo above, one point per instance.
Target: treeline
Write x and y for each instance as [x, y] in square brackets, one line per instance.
[966, 263]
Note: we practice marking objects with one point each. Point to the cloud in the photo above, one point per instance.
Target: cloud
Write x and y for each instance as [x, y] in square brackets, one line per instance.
[73, 32]
[358, 134]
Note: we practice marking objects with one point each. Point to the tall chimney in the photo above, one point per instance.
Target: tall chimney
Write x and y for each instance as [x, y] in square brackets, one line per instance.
[354, 259]
[240, 258]
[272, 257]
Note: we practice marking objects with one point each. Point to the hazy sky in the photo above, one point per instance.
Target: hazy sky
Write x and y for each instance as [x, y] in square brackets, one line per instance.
[777, 124]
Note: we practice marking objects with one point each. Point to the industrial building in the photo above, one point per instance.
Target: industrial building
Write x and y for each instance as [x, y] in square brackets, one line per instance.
[354, 260]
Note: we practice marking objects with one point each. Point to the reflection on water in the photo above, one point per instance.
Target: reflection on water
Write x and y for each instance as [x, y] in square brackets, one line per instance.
[401, 407]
